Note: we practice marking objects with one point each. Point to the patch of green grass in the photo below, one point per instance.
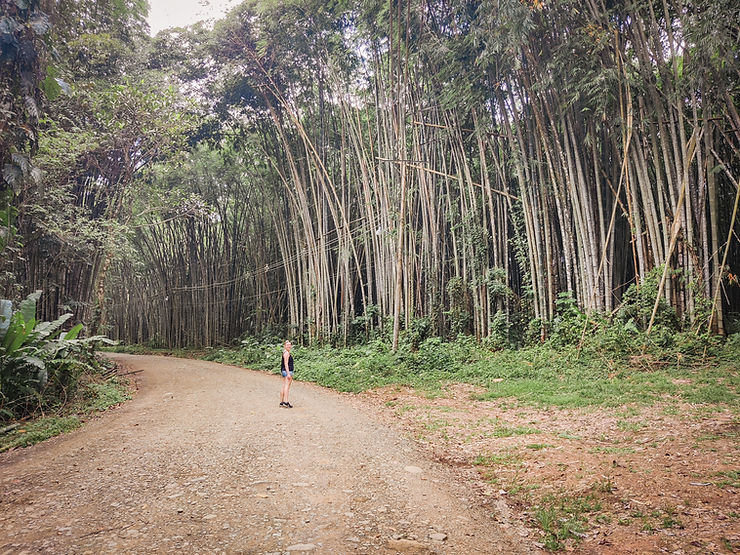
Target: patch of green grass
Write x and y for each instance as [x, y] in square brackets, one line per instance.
[564, 517]
[702, 412]
[629, 412]
[148, 350]
[96, 395]
[670, 519]
[730, 478]
[647, 525]
[538, 446]
[437, 424]
[711, 394]
[662, 518]
[491, 461]
[37, 431]
[505, 431]
[708, 437]
[612, 450]
[605, 485]
[543, 375]
[496, 459]
[104, 395]
[523, 488]
[630, 425]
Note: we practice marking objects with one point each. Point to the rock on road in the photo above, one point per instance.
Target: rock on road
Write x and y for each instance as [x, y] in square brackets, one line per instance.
[203, 460]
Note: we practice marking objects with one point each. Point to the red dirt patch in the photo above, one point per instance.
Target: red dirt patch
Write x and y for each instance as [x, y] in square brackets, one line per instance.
[665, 477]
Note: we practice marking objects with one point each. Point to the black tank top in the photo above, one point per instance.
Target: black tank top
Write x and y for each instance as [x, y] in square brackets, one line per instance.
[290, 363]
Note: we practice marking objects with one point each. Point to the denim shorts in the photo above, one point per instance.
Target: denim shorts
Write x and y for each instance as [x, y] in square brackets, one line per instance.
[284, 373]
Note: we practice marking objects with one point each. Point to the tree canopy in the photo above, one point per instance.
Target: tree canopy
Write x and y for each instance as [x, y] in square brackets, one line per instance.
[336, 171]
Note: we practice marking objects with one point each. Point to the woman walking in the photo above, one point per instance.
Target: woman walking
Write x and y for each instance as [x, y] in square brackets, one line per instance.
[286, 370]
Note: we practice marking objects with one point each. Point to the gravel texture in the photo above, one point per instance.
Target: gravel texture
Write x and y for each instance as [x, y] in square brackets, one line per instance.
[204, 461]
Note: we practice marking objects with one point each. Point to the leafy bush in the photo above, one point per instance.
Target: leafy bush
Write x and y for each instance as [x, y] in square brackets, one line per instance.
[568, 325]
[252, 353]
[638, 303]
[39, 362]
[614, 366]
[101, 396]
[433, 355]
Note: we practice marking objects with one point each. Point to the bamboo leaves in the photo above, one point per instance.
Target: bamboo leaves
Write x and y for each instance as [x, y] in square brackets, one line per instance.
[465, 162]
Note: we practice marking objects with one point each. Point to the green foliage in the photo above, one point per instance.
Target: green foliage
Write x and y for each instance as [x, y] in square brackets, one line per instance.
[103, 395]
[502, 332]
[458, 314]
[728, 478]
[367, 326]
[39, 362]
[252, 354]
[23, 55]
[497, 459]
[417, 332]
[541, 375]
[96, 394]
[638, 302]
[564, 517]
[38, 431]
[432, 356]
[8, 230]
[505, 431]
[569, 323]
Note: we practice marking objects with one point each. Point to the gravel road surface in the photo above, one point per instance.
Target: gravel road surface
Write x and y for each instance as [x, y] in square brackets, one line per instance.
[203, 460]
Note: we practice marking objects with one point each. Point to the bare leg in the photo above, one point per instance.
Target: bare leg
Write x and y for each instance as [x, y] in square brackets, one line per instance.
[284, 390]
[288, 381]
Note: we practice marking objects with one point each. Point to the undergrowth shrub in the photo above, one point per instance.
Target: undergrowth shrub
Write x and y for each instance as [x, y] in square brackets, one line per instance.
[569, 323]
[251, 353]
[40, 364]
[638, 303]
[588, 359]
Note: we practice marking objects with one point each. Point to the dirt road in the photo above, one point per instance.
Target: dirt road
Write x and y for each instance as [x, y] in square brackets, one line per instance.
[202, 460]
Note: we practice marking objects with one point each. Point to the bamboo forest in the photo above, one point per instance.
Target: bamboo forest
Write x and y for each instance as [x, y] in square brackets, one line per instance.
[506, 231]
[335, 171]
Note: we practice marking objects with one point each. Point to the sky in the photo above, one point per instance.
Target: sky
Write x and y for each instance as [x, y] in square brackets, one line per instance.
[178, 13]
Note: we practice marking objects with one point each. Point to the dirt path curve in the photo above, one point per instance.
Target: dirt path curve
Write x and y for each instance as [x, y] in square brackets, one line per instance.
[204, 461]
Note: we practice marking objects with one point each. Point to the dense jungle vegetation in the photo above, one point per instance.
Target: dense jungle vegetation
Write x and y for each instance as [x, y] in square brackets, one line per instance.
[517, 172]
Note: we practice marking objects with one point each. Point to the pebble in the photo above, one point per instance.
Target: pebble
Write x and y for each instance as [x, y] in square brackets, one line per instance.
[438, 537]
[413, 469]
[301, 547]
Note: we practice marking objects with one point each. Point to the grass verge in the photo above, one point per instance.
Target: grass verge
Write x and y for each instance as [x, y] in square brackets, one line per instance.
[94, 396]
[542, 375]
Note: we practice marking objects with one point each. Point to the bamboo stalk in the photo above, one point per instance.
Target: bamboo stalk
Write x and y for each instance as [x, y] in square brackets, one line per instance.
[715, 297]
[691, 148]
